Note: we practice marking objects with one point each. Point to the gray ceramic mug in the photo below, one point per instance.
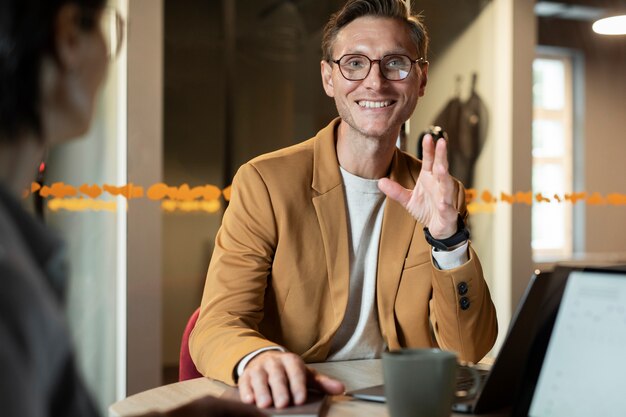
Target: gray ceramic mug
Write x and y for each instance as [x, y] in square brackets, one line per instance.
[422, 382]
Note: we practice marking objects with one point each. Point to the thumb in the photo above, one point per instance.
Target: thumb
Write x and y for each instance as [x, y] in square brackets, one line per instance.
[329, 385]
[324, 383]
[394, 191]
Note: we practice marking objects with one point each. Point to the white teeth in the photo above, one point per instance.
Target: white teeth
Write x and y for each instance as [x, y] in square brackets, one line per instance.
[373, 104]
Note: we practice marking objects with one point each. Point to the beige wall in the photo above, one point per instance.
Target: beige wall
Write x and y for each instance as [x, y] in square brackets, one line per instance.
[144, 139]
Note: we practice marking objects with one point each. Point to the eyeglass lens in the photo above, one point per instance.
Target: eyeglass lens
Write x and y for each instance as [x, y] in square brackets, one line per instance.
[392, 67]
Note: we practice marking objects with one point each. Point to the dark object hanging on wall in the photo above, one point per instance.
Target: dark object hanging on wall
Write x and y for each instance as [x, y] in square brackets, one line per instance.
[466, 123]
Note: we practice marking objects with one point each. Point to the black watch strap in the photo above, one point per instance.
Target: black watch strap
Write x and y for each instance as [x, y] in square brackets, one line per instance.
[461, 235]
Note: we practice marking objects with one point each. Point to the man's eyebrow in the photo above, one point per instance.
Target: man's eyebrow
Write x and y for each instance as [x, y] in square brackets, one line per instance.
[356, 51]
[395, 51]
[398, 51]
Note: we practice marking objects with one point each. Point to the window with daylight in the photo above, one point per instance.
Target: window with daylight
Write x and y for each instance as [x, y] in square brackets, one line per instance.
[552, 149]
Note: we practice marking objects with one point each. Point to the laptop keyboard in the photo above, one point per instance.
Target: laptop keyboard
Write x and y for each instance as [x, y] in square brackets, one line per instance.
[465, 380]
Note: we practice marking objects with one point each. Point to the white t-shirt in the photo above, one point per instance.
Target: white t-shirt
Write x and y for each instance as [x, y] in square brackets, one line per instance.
[359, 334]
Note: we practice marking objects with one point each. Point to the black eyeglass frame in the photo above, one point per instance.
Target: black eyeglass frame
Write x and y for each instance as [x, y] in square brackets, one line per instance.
[421, 61]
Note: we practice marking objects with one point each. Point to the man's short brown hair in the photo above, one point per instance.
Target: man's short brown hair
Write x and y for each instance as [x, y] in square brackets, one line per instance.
[395, 9]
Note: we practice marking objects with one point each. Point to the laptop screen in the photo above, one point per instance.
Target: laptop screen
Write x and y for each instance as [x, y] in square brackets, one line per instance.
[584, 368]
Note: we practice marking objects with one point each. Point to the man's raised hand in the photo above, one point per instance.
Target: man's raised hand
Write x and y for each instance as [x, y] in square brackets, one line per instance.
[431, 202]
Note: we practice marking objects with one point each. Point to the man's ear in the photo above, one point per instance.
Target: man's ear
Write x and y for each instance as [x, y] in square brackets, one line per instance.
[327, 78]
[423, 79]
[68, 36]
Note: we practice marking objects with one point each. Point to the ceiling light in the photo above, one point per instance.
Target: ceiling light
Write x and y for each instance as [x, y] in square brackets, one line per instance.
[614, 25]
[552, 9]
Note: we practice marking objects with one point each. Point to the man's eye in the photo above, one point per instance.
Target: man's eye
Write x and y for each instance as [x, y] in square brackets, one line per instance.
[395, 62]
[355, 63]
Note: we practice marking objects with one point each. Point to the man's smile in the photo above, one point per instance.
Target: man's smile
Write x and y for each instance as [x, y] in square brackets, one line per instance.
[370, 104]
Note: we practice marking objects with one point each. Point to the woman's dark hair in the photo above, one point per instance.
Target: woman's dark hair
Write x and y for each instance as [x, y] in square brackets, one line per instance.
[26, 36]
[395, 9]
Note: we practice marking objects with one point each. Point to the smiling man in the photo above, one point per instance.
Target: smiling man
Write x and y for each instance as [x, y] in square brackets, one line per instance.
[342, 247]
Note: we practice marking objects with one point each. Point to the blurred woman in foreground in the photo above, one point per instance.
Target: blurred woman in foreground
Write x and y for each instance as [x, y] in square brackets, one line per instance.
[53, 60]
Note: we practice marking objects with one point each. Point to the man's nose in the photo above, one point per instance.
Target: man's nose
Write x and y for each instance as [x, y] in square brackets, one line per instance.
[375, 77]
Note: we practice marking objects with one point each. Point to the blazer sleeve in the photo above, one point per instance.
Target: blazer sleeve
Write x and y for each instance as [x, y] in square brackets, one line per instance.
[461, 310]
[233, 300]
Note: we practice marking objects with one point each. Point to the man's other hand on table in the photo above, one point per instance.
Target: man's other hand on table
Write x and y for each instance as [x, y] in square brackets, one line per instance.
[275, 377]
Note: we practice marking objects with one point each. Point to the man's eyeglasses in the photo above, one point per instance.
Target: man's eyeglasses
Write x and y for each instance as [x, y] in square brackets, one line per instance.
[112, 26]
[356, 67]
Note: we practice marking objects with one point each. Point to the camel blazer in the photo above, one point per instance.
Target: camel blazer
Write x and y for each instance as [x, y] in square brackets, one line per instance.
[279, 275]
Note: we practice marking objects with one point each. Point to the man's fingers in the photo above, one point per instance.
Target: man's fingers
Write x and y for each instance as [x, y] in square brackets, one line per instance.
[394, 191]
[441, 158]
[278, 383]
[441, 173]
[274, 377]
[277, 377]
[260, 388]
[428, 153]
[296, 373]
[245, 390]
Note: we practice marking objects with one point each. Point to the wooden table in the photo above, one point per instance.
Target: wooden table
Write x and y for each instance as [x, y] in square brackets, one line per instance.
[354, 374]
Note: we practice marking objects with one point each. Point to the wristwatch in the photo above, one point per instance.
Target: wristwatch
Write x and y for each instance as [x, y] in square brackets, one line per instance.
[461, 235]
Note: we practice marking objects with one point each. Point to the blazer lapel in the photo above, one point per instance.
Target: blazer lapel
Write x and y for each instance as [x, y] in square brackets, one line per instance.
[397, 231]
[330, 207]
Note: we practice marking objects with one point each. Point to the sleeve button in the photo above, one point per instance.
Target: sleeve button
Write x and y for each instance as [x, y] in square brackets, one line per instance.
[464, 302]
[462, 288]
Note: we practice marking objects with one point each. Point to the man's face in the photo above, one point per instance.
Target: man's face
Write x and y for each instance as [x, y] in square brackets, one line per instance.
[374, 107]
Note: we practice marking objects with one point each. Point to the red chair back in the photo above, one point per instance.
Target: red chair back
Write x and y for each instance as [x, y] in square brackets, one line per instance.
[186, 367]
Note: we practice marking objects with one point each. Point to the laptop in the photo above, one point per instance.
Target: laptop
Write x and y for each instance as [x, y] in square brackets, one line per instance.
[501, 384]
[581, 370]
